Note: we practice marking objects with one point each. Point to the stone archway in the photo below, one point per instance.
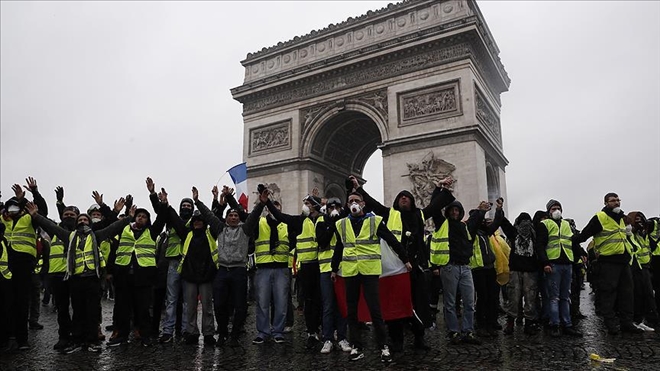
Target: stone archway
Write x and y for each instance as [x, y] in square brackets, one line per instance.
[421, 80]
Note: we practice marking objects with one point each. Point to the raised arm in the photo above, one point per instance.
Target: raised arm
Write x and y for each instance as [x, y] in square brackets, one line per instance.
[228, 194]
[46, 224]
[216, 225]
[592, 228]
[440, 198]
[114, 228]
[509, 230]
[36, 196]
[474, 221]
[499, 216]
[59, 195]
[370, 202]
[250, 226]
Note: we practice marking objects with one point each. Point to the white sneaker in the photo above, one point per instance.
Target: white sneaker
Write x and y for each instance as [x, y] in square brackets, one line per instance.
[327, 347]
[345, 346]
[356, 354]
[385, 355]
[645, 327]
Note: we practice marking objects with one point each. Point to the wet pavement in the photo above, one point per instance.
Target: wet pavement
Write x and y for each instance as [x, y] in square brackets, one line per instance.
[518, 351]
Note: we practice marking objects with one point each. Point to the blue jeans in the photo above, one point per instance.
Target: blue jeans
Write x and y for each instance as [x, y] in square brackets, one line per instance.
[458, 278]
[332, 319]
[559, 292]
[174, 287]
[271, 284]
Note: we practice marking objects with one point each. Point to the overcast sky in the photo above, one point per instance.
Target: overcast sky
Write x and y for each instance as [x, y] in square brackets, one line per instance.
[99, 95]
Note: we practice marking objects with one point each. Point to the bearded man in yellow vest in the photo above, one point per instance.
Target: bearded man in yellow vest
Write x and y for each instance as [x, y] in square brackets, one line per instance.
[83, 270]
[615, 282]
[358, 251]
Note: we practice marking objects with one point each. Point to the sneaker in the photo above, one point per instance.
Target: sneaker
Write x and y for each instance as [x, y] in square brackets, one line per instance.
[116, 341]
[356, 354]
[645, 327]
[279, 340]
[165, 338]
[258, 340]
[327, 347]
[36, 326]
[288, 330]
[209, 340]
[72, 348]
[571, 331]
[454, 338]
[469, 338]
[23, 346]
[345, 346]
[385, 355]
[61, 344]
[96, 348]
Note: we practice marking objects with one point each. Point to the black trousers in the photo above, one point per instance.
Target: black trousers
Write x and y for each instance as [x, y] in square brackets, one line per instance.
[644, 307]
[369, 286]
[85, 300]
[655, 277]
[6, 330]
[21, 283]
[160, 294]
[131, 295]
[230, 293]
[309, 276]
[615, 285]
[61, 292]
[487, 289]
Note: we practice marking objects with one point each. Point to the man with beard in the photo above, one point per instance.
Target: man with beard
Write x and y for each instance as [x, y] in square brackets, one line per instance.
[84, 263]
[406, 222]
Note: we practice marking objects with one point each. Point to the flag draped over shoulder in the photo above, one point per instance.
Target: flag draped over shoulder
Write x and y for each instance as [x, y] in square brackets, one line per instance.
[394, 290]
[238, 175]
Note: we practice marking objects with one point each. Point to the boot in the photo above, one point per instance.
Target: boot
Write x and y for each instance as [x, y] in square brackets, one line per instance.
[510, 322]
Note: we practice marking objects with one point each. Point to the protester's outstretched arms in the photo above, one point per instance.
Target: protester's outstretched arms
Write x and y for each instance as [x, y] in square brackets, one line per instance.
[252, 221]
[215, 224]
[371, 203]
[46, 224]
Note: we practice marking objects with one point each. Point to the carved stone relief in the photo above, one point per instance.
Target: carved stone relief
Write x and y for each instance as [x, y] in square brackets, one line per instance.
[270, 138]
[425, 175]
[376, 99]
[485, 113]
[275, 193]
[429, 103]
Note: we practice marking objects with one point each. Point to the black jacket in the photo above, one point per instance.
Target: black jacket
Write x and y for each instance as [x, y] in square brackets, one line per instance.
[517, 261]
[483, 234]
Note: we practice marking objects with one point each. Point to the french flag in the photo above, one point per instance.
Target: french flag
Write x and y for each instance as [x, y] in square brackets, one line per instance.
[238, 175]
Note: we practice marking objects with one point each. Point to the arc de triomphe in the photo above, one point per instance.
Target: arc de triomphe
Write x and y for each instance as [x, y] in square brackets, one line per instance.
[421, 80]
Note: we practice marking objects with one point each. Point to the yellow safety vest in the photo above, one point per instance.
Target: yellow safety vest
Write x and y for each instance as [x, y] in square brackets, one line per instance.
[262, 251]
[40, 264]
[395, 225]
[22, 236]
[306, 246]
[57, 257]
[174, 244]
[325, 254]
[144, 248]
[559, 238]
[440, 245]
[4, 261]
[361, 253]
[477, 260]
[612, 239]
[654, 236]
[85, 257]
[213, 246]
[643, 251]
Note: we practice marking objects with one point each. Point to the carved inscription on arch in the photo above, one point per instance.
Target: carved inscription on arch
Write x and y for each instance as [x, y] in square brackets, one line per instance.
[485, 113]
[270, 138]
[430, 103]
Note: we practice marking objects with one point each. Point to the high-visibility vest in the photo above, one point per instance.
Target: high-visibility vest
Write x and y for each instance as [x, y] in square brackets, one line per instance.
[213, 246]
[57, 257]
[325, 253]
[395, 225]
[104, 249]
[654, 236]
[306, 245]
[362, 252]
[559, 238]
[612, 239]
[21, 236]
[40, 264]
[174, 245]
[262, 251]
[85, 257]
[440, 245]
[477, 260]
[144, 248]
[643, 251]
[4, 261]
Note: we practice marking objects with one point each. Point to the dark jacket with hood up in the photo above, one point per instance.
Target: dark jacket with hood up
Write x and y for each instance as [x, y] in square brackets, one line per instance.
[460, 237]
[484, 232]
[521, 238]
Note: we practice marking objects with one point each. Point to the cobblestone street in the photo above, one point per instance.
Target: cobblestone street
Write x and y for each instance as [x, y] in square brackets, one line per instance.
[539, 352]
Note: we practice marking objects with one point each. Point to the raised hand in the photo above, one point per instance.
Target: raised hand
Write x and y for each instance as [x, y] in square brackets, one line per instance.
[151, 187]
[18, 191]
[215, 192]
[131, 211]
[32, 209]
[98, 198]
[499, 202]
[446, 182]
[162, 196]
[119, 204]
[59, 194]
[129, 202]
[353, 179]
[195, 194]
[315, 192]
[263, 196]
[31, 184]
[484, 206]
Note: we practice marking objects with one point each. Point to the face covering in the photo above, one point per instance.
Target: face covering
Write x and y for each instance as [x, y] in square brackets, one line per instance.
[68, 223]
[556, 215]
[616, 210]
[323, 209]
[185, 213]
[96, 220]
[629, 230]
[355, 208]
[334, 213]
[13, 209]
[81, 225]
[305, 210]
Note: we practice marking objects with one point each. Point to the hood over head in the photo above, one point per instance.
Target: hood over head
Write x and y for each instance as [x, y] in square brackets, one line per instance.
[406, 193]
[460, 209]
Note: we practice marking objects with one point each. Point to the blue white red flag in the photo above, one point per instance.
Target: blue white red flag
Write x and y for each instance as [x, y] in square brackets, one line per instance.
[238, 175]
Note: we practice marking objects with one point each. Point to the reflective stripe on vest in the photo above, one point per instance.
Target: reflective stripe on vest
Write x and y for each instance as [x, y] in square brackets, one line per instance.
[559, 238]
[395, 225]
[306, 246]
[85, 257]
[104, 249]
[262, 251]
[174, 245]
[325, 253]
[40, 264]
[612, 239]
[21, 237]
[643, 250]
[362, 253]
[477, 260]
[4, 261]
[144, 248]
[654, 236]
[213, 246]
[56, 258]
[440, 245]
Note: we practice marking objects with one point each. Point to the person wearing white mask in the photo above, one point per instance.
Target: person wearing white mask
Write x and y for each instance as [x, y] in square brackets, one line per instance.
[614, 253]
[557, 253]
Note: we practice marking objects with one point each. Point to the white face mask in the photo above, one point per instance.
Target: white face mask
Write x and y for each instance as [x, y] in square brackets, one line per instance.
[13, 209]
[323, 209]
[96, 220]
[556, 215]
[334, 213]
[629, 230]
[616, 210]
[305, 210]
[356, 208]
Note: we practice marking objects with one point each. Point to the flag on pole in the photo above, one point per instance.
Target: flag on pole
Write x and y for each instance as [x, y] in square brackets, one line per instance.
[238, 175]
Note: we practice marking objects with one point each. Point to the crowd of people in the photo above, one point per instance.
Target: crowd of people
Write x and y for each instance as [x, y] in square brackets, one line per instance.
[161, 271]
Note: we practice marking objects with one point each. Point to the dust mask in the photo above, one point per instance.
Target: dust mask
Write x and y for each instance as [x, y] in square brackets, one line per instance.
[556, 215]
[305, 210]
